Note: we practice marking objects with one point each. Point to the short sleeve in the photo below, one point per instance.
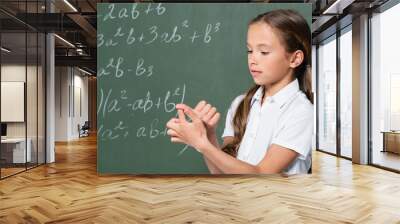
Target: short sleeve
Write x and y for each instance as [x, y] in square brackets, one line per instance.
[296, 132]
[228, 130]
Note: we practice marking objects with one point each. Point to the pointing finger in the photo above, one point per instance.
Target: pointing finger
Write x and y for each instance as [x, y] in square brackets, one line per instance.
[189, 111]
[181, 115]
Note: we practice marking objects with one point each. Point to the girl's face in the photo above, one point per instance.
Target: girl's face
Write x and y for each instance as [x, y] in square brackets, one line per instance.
[267, 57]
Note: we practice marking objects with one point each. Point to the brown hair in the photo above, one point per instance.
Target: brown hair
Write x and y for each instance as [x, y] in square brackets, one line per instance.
[295, 34]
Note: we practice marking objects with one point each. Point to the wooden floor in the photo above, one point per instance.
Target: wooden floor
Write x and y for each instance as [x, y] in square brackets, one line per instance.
[10, 171]
[387, 159]
[70, 191]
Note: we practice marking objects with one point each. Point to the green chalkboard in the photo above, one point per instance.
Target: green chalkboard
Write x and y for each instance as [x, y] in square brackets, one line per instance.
[152, 56]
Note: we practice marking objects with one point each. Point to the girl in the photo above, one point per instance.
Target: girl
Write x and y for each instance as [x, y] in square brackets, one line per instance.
[268, 129]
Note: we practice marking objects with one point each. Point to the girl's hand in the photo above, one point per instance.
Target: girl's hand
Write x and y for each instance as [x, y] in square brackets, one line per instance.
[207, 113]
[191, 133]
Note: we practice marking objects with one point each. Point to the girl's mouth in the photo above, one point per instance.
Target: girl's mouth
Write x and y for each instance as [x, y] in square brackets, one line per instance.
[255, 72]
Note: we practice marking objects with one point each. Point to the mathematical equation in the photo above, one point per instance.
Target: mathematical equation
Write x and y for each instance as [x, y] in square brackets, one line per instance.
[154, 33]
[148, 35]
[131, 12]
[112, 103]
[114, 68]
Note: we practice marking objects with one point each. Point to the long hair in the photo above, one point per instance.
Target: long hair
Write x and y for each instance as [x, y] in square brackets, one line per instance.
[295, 34]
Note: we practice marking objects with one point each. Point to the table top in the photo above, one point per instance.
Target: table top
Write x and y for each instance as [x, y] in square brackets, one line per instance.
[13, 140]
[391, 132]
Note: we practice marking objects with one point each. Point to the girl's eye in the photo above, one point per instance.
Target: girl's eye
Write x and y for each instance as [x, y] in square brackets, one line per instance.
[249, 51]
[264, 53]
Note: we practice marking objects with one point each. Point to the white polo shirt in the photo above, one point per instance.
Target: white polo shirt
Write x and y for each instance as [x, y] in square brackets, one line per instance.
[285, 119]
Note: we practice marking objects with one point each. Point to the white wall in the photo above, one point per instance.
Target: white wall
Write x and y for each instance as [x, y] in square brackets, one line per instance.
[33, 126]
[70, 83]
[16, 73]
[61, 103]
[12, 101]
[81, 81]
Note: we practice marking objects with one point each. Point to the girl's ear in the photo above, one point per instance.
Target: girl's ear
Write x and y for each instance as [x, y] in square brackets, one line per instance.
[296, 58]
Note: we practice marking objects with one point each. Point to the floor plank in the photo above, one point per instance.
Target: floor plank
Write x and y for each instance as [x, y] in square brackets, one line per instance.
[70, 191]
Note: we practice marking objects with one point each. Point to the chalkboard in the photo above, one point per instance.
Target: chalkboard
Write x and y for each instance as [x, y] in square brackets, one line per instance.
[152, 56]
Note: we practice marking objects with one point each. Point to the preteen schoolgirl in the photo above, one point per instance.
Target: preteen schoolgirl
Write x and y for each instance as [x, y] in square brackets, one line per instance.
[268, 129]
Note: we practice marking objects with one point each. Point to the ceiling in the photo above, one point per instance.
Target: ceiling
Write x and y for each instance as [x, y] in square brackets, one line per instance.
[79, 27]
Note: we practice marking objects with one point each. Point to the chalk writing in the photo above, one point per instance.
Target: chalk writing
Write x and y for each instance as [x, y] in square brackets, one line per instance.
[149, 35]
[115, 68]
[131, 12]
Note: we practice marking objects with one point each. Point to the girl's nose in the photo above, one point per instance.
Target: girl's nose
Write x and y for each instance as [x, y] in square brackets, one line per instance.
[252, 59]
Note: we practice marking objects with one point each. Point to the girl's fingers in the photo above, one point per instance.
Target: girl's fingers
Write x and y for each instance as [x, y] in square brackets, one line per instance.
[172, 133]
[172, 124]
[209, 114]
[169, 123]
[200, 106]
[205, 110]
[214, 120]
[175, 120]
[193, 116]
[180, 106]
[177, 140]
[181, 115]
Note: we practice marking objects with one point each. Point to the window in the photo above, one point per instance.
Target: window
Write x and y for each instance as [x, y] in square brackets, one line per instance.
[346, 92]
[327, 95]
[22, 64]
[385, 89]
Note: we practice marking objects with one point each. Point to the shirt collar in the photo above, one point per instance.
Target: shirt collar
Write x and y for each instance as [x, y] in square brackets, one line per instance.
[281, 97]
[258, 95]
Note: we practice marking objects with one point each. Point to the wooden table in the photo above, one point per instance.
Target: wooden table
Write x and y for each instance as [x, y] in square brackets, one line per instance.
[14, 149]
[391, 141]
